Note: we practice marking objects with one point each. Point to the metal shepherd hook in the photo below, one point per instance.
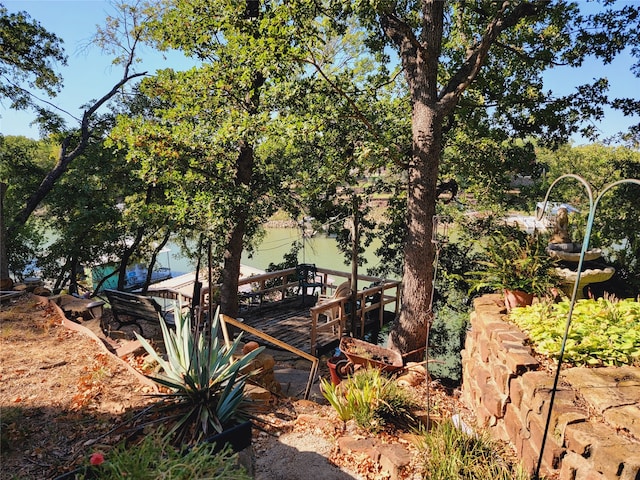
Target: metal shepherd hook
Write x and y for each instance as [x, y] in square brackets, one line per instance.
[593, 205]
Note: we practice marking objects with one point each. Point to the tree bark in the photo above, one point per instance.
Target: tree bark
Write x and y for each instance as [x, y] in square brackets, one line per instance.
[4, 259]
[420, 59]
[235, 240]
[410, 330]
[431, 103]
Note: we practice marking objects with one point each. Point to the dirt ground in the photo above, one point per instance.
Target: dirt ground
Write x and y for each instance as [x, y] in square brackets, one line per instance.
[62, 395]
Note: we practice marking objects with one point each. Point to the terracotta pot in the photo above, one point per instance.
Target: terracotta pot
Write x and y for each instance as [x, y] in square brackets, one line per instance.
[338, 369]
[517, 298]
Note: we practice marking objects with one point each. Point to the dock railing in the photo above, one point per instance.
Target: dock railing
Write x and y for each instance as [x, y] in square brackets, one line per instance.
[281, 284]
[375, 297]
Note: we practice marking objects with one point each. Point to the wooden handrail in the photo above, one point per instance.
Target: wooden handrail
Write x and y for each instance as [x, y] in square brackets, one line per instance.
[339, 324]
[314, 360]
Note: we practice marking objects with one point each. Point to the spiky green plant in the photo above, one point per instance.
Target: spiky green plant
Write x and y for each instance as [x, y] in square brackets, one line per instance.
[334, 395]
[449, 453]
[205, 380]
[370, 398]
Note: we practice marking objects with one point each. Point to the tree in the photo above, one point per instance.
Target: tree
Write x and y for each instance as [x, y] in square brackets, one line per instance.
[27, 59]
[73, 145]
[27, 56]
[223, 136]
[84, 146]
[501, 48]
[23, 162]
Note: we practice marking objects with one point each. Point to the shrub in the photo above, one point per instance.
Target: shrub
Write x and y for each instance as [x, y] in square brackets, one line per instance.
[369, 398]
[514, 260]
[451, 454]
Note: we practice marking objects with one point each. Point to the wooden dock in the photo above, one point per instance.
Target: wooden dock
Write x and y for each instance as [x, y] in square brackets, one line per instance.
[273, 306]
[288, 321]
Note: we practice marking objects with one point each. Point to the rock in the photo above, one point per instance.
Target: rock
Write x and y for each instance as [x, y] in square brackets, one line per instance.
[42, 291]
[266, 361]
[411, 378]
[250, 347]
[6, 284]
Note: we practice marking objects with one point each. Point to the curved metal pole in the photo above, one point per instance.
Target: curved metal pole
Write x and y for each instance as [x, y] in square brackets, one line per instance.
[585, 243]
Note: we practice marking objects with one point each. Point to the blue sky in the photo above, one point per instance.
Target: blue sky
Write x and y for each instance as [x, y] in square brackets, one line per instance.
[89, 73]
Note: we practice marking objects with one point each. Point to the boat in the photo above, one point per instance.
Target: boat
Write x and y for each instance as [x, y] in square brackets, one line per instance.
[136, 274]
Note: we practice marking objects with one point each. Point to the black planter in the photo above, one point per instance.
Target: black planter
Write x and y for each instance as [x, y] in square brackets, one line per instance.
[238, 436]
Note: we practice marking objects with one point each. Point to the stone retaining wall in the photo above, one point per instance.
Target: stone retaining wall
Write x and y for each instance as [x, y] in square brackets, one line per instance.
[594, 432]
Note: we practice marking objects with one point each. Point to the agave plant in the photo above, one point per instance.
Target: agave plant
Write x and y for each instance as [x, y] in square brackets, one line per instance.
[205, 381]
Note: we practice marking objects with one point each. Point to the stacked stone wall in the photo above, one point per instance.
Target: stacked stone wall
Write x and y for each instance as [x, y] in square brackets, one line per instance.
[594, 431]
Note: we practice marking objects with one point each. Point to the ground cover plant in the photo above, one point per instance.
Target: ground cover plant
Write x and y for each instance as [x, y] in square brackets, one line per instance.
[154, 457]
[603, 332]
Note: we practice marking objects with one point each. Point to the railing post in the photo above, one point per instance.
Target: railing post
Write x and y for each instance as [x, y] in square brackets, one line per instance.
[314, 325]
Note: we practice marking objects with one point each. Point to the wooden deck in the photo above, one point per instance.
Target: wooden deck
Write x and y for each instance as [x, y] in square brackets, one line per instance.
[290, 322]
[287, 320]
[273, 306]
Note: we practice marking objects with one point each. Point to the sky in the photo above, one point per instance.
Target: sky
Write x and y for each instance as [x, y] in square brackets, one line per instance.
[90, 74]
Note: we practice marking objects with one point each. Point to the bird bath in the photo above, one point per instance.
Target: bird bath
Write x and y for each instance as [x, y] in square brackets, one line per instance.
[568, 253]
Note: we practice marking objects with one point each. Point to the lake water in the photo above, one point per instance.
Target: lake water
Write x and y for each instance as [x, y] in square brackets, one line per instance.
[320, 249]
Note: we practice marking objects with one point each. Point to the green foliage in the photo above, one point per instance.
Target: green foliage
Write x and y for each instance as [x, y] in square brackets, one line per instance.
[206, 381]
[447, 337]
[29, 53]
[370, 398]
[451, 454]
[602, 332]
[23, 164]
[617, 220]
[337, 399]
[154, 457]
[515, 260]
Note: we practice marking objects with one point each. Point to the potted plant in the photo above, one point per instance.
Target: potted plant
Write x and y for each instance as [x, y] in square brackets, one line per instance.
[205, 400]
[517, 264]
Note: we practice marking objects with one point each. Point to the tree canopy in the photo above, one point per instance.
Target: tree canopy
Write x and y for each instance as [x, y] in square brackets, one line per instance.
[28, 59]
[294, 103]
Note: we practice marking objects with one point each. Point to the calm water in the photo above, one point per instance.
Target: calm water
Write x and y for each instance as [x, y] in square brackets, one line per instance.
[320, 249]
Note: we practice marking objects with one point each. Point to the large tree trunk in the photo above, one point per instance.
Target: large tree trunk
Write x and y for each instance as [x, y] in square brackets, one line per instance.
[410, 331]
[420, 56]
[235, 239]
[420, 61]
[243, 181]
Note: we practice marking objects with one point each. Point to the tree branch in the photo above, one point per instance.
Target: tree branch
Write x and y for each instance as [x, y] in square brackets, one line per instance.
[477, 55]
[65, 157]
